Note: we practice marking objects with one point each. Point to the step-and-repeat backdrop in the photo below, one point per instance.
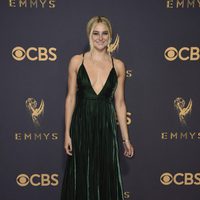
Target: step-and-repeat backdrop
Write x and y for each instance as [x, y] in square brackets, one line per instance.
[160, 46]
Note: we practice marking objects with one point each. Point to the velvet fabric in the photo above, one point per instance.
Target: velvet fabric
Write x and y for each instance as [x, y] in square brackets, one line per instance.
[93, 171]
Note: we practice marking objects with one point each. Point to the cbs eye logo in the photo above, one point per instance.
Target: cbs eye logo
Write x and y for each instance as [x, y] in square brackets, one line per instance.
[37, 180]
[171, 53]
[184, 53]
[180, 178]
[166, 179]
[34, 53]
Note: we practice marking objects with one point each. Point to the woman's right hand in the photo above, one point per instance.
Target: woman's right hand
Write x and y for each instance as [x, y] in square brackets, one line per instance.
[68, 145]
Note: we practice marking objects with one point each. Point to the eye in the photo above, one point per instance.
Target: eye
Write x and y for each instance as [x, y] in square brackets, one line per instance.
[105, 33]
[95, 33]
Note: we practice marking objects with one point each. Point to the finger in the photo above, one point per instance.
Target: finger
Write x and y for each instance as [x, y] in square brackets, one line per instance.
[129, 155]
[70, 147]
[125, 152]
[68, 150]
[131, 152]
[69, 153]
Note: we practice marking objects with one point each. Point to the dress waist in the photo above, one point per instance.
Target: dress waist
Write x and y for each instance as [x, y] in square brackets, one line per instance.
[94, 98]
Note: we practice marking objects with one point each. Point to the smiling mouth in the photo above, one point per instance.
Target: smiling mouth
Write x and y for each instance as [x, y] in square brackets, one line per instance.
[100, 43]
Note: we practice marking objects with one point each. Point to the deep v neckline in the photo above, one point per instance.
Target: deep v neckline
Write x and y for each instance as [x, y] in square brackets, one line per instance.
[97, 94]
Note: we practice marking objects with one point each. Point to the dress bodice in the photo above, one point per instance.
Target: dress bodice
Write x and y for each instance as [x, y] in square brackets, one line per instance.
[86, 91]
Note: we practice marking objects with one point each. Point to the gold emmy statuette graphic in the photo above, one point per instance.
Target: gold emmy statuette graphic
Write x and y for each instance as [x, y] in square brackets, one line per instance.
[183, 111]
[31, 105]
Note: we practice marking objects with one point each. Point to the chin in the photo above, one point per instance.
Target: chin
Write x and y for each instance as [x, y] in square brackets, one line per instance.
[100, 48]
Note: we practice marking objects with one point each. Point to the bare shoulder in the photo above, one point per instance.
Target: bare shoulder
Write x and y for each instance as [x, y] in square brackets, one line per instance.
[119, 66]
[76, 61]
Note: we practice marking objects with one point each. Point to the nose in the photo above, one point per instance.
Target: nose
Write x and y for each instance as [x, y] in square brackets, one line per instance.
[100, 37]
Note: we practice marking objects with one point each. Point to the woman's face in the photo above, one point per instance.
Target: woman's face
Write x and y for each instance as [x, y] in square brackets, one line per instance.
[100, 36]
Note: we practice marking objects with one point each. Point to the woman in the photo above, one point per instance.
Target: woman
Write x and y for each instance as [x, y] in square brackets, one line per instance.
[95, 90]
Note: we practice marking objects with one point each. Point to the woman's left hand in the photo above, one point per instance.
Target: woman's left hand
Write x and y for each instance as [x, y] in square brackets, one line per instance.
[128, 149]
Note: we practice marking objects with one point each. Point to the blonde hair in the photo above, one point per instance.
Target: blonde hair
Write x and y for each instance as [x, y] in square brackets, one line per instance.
[102, 19]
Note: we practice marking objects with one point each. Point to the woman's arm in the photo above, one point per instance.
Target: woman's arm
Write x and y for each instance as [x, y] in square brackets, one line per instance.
[71, 95]
[120, 105]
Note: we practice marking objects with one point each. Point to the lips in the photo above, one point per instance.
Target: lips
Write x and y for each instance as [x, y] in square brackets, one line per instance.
[100, 43]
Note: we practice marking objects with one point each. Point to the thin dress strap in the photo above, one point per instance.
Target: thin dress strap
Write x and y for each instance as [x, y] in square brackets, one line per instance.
[83, 58]
[112, 62]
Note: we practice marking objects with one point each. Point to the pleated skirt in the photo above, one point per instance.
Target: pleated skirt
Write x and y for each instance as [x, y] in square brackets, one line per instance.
[93, 171]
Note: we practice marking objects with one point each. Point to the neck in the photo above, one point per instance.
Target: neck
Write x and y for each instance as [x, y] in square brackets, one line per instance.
[98, 55]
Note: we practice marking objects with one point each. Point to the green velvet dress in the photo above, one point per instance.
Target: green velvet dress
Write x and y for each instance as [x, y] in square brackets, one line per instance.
[93, 171]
